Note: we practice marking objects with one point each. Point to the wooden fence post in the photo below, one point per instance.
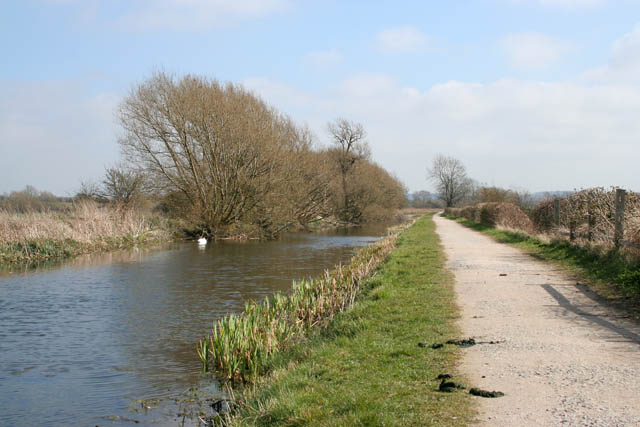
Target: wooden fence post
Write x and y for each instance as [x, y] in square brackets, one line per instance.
[572, 231]
[556, 212]
[619, 232]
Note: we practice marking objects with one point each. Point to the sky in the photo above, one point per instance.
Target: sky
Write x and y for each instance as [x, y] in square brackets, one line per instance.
[538, 95]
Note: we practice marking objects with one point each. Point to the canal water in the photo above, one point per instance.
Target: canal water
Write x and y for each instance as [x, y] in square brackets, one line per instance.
[93, 340]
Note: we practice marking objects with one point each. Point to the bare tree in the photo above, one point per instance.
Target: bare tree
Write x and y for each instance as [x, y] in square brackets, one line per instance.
[217, 144]
[350, 146]
[123, 185]
[89, 190]
[450, 178]
[221, 153]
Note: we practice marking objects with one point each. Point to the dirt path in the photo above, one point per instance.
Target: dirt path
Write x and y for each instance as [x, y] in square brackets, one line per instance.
[563, 359]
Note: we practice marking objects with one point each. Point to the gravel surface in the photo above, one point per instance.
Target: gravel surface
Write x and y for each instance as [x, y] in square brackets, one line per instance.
[563, 358]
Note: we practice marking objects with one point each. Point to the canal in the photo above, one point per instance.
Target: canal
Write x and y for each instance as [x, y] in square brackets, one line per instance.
[83, 342]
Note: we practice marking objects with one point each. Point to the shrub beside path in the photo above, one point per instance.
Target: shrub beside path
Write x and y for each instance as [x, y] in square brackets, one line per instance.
[563, 358]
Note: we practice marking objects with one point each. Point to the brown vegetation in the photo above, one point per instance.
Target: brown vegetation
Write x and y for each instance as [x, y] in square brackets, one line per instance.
[506, 215]
[86, 227]
[213, 159]
[586, 217]
[226, 161]
[589, 214]
[31, 200]
[520, 198]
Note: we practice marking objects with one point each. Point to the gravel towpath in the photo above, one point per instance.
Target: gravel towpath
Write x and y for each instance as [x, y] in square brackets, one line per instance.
[563, 358]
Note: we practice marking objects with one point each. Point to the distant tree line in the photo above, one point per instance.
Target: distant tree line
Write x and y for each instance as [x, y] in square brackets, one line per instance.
[455, 188]
[424, 199]
[31, 199]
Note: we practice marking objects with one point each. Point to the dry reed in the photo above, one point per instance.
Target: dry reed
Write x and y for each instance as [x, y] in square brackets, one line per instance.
[87, 227]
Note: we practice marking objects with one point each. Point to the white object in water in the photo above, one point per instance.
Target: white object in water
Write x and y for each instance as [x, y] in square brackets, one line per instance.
[202, 241]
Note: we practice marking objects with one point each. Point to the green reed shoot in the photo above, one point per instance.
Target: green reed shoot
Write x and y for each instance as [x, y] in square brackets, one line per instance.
[240, 346]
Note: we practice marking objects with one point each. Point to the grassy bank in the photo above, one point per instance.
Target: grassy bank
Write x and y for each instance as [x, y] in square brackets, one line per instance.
[242, 346]
[366, 368]
[609, 273]
[30, 238]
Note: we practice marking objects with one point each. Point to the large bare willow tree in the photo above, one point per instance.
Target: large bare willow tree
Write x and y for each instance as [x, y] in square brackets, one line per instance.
[226, 153]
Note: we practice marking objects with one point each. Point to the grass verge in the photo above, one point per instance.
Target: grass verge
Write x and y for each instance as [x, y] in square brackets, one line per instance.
[607, 272]
[366, 368]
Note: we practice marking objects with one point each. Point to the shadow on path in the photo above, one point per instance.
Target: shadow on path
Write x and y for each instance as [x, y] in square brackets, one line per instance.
[566, 304]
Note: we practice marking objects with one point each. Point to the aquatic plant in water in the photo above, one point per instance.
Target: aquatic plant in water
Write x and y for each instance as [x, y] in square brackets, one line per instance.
[240, 346]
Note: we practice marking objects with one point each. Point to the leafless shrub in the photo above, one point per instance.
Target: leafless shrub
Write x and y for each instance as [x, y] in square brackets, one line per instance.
[520, 198]
[543, 216]
[468, 212]
[506, 215]
[124, 185]
[509, 215]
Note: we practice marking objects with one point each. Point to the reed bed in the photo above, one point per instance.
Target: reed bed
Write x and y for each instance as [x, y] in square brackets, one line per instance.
[241, 346]
[88, 227]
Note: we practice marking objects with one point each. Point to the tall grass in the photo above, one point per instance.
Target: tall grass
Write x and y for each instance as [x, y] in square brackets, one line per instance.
[241, 346]
[88, 227]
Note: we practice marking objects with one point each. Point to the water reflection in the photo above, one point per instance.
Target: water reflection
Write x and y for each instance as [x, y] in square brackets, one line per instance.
[85, 339]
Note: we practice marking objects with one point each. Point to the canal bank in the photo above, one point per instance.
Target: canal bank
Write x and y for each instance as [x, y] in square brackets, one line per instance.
[374, 364]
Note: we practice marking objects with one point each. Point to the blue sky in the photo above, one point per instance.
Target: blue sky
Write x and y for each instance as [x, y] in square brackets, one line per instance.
[535, 94]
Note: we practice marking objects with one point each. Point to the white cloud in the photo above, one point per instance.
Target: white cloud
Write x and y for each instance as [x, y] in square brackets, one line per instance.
[323, 58]
[624, 61]
[536, 135]
[53, 134]
[533, 50]
[195, 14]
[626, 50]
[402, 39]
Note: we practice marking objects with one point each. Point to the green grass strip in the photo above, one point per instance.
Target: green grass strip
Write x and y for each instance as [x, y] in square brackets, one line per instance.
[609, 273]
[366, 368]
